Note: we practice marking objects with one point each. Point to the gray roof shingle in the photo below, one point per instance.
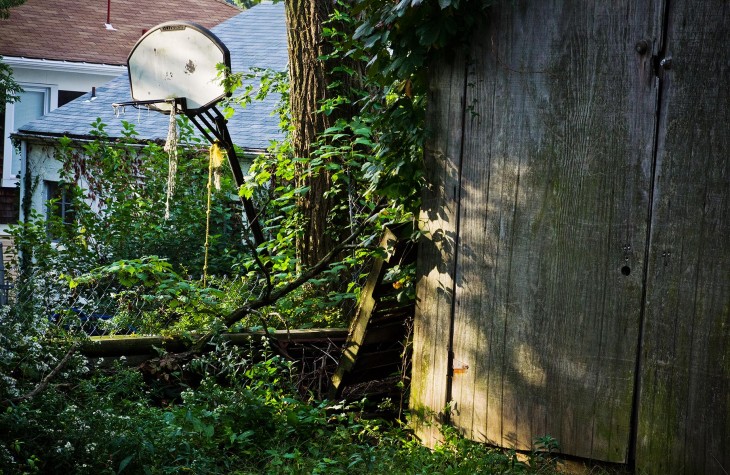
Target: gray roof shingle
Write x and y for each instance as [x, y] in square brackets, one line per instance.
[256, 38]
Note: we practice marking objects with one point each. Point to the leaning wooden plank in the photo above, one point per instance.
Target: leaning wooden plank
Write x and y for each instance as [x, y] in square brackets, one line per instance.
[358, 327]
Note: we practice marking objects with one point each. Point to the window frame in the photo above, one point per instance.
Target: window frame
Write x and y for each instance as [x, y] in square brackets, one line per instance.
[50, 102]
[59, 190]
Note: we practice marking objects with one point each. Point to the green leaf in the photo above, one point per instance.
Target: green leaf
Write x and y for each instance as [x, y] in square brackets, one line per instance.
[123, 464]
[363, 30]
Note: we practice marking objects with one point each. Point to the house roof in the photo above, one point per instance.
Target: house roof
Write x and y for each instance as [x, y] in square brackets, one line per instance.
[256, 38]
[72, 30]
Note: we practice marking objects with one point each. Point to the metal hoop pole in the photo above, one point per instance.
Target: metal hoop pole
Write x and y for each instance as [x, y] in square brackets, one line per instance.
[248, 207]
[213, 127]
[217, 125]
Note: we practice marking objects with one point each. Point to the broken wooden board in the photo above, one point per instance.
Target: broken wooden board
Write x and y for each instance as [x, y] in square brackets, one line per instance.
[377, 339]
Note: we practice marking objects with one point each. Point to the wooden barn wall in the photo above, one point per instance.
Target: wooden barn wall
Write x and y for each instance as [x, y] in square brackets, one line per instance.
[684, 408]
[436, 252]
[575, 274]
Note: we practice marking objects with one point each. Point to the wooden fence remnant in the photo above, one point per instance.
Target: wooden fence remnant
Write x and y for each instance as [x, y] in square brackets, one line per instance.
[142, 345]
[575, 277]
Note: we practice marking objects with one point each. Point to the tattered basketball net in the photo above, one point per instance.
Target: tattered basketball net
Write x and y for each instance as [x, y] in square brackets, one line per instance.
[119, 110]
[171, 149]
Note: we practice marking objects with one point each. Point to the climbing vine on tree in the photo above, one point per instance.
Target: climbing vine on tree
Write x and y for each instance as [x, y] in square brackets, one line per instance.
[353, 108]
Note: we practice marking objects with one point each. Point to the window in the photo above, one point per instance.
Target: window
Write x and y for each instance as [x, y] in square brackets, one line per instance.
[35, 101]
[59, 201]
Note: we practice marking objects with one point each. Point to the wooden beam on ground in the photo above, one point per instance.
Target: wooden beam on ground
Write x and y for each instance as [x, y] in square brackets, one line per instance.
[130, 345]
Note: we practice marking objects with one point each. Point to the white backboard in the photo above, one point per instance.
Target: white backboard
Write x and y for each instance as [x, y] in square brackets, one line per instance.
[178, 60]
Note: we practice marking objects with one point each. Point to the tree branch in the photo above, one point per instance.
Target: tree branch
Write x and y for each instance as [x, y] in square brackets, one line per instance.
[45, 381]
[303, 278]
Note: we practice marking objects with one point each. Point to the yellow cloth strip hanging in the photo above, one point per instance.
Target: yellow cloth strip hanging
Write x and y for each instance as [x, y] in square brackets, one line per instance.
[214, 163]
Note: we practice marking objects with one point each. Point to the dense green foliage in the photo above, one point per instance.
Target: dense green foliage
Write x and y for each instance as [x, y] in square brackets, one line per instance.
[374, 157]
[239, 412]
[116, 191]
[115, 238]
[229, 409]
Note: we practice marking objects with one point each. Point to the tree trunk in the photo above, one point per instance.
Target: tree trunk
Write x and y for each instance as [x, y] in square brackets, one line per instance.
[309, 79]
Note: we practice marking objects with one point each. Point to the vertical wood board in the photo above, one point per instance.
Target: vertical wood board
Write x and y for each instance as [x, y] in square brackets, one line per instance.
[435, 267]
[684, 410]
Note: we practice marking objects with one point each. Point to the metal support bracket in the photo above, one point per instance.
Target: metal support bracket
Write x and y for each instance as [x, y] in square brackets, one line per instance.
[214, 123]
[214, 127]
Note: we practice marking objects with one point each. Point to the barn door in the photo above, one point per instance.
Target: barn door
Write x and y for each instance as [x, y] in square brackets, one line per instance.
[684, 404]
[540, 248]
[555, 186]
[576, 274]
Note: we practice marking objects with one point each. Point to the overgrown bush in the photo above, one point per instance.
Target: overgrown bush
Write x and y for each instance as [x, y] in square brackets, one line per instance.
[116, 192]
[243, 417]
[123, 258]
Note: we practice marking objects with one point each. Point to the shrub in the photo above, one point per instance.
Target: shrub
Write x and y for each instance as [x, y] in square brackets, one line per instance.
[244, 416]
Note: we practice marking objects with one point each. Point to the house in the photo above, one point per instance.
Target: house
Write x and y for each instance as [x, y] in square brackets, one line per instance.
[256, 38]
[62, 49]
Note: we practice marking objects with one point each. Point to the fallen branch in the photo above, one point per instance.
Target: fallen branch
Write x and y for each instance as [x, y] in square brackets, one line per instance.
[272, 296]
[44, 382]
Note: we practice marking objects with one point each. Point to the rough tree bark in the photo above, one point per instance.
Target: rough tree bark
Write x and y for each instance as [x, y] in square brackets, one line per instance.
[309, 79]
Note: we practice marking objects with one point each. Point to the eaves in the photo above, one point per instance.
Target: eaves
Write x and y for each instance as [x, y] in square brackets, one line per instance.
[48, 138]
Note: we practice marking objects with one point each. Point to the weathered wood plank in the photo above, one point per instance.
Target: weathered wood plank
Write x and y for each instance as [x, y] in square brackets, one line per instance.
[435, 268]
[473, 331]
[359, 326]
[381, 322]
[555, 180]
[127, 345]
[684, 412]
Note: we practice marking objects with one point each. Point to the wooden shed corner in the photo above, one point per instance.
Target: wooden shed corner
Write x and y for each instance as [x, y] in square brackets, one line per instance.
[575, 277]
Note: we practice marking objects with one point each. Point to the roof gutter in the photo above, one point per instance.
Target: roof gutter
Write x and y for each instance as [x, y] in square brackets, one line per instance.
[49, 138]
[64, 66]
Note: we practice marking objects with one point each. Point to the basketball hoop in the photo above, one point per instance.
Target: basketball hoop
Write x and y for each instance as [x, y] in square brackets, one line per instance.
[173, 68]
[175, 60]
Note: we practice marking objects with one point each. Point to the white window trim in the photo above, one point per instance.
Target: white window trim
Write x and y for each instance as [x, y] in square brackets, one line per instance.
[9, 180]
